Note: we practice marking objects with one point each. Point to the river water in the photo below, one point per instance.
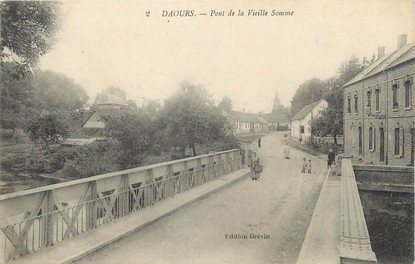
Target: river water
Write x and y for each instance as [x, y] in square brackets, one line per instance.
[11, 183]
[390, 221]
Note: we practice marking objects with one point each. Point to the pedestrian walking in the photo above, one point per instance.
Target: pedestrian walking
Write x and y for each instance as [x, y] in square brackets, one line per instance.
[286, 151]
[256, 169]
[250, 158]
[330, 158]
[309, 166]
[339, 163]
[303, 170]
[259, 142]
[301, 139]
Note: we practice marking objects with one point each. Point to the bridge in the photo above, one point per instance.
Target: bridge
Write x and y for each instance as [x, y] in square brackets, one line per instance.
[181, 212]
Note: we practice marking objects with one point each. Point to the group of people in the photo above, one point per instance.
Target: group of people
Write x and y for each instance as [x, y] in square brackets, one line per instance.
[306, 166]
[256, 167]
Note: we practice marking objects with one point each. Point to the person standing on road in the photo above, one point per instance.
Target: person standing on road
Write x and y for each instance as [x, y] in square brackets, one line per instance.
[259, 142]
[287, 151]
[331, 157]
[303, 170]
[309, 166]
[256, 169]
[339, 163]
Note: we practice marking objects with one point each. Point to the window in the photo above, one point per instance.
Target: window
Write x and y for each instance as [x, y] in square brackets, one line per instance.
[408, 93]
[301, 129]
[377, 94]
[395, 103]
[401, 149]
[349, 108]
[397, 146]
[369, 98]
[355, 103]
[370, 138]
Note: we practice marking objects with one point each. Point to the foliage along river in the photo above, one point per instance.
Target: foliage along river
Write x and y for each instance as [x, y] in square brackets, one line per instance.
[11, 183]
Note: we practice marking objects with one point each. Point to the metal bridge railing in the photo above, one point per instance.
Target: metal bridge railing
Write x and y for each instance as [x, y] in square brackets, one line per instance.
[38, 218]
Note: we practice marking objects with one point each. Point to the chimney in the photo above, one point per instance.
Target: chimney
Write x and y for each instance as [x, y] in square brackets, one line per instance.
[381, 52]
[401, 40]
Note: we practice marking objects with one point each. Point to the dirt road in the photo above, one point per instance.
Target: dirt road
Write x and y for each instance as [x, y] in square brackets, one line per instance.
[262, 221]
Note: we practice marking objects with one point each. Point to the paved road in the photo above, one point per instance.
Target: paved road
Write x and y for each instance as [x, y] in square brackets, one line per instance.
[278, 207]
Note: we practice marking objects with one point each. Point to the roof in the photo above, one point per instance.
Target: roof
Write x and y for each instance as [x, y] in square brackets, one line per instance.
[276, 118]
[80, 141]
[246, 117]
[112, 99]
[75, 119]
[263, 121]
[305, 110]
[386, 62]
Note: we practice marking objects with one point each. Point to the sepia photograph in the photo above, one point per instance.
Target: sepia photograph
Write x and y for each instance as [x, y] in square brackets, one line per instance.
[207, 132]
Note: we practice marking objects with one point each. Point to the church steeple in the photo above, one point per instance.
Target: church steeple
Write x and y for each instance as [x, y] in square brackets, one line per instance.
[277, 103]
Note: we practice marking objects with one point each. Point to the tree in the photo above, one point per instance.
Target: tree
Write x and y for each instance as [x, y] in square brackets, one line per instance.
[349, 68]
[24, 99]
[112, 90]
[47, 128]
[56, 91]
[226, 104]
[308, 92]
[135, 135]
[28, 30]
[331, 120]
[17, 99]
[189, 118]
[152, 107]
[133, 106]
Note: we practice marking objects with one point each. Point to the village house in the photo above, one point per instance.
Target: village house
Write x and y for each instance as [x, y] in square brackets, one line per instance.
[379, 115]
[301, 122]
[87, 127]
[248, 123]
[111, 102]
[276, 121]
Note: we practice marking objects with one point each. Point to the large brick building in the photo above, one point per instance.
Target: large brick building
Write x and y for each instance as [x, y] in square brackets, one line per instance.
[379, 114]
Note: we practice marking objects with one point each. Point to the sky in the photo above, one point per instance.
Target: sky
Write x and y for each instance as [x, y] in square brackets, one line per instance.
[247, 58]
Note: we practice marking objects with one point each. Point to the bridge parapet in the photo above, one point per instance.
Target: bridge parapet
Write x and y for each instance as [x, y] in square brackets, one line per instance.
[355, 244]
[34, 219]
[384, 178]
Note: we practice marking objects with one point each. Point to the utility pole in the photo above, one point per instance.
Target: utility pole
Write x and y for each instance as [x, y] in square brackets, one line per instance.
[311, 132]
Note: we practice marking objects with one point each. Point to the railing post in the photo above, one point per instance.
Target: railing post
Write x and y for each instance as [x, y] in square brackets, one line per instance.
[184, 177]
[239, 158]
[211, 170]
[92, 206]
[198, 173]
[48, 224]
[149, 191]
[124, 203]
[169, 186]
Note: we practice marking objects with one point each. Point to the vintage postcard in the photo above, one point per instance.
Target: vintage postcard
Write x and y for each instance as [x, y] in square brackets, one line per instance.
[207, 131]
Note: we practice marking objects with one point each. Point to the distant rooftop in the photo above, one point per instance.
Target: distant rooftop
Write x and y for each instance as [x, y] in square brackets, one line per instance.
[305, 110]
[113, 100]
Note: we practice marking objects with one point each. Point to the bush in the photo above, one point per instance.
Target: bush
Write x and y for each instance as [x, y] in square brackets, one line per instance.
[90, 160]
[14, 164]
